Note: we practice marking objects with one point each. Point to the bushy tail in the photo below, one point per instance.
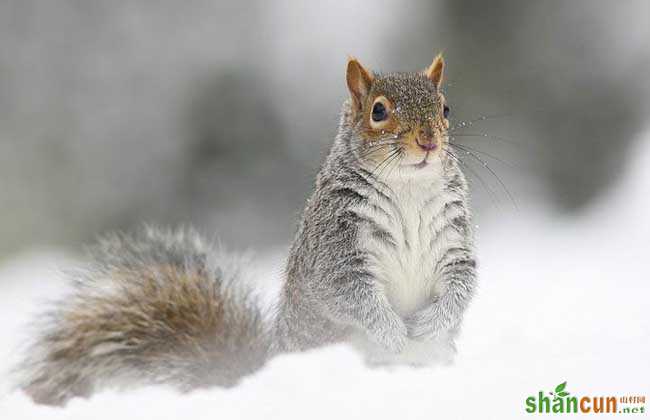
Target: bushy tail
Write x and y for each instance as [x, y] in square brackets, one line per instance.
[153, 307]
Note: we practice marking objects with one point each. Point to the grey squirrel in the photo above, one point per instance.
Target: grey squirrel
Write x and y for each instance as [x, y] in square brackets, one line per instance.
[383, 258]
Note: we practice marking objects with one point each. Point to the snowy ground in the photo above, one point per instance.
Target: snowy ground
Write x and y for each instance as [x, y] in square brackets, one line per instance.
[559, 300]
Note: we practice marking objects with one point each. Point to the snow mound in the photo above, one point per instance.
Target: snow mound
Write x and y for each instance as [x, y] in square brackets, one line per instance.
[560, 299]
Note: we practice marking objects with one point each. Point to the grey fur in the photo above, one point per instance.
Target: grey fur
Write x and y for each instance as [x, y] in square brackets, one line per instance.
[333, 290]
[329, 283]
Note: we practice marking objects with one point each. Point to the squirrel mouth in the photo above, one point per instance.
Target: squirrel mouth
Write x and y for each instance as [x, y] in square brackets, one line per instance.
[424, 161]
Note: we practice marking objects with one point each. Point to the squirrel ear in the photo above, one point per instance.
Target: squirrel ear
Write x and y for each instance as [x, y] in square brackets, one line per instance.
[435, 71]
[359, 81]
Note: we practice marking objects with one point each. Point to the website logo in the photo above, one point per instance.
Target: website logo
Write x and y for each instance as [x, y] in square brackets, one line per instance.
[560, 400]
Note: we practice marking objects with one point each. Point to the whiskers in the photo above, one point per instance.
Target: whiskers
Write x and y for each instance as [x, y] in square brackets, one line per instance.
[389, 163]
[469, 123]
[470, 171]
[393, 148]
[457, 152]
[385, 154]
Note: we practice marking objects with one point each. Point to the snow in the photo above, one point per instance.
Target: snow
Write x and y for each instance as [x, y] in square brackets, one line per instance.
[560, 299]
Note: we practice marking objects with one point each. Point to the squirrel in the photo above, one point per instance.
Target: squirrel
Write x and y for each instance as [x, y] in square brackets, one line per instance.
[383, 258]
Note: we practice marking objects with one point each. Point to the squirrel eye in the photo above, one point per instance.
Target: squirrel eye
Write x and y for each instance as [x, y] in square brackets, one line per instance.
[445, 111]
[379, 112]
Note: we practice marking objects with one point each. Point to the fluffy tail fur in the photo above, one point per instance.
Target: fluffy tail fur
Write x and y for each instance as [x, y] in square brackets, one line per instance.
[153, 307]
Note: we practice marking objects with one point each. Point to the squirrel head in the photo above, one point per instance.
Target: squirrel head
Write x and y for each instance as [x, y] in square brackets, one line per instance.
[401, 117]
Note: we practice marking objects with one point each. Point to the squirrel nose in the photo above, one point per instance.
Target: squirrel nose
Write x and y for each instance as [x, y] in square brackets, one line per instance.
[425, 139]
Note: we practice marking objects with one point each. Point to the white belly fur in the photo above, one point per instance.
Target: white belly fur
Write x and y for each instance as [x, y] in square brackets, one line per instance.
[407, 272]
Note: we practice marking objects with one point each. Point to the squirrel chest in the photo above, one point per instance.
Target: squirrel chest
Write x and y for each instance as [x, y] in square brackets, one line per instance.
[412, 228]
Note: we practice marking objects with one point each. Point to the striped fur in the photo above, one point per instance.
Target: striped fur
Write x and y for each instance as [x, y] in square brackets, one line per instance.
[385, 255]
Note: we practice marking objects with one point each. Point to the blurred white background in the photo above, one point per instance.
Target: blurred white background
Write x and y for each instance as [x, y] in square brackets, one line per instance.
[217, 114]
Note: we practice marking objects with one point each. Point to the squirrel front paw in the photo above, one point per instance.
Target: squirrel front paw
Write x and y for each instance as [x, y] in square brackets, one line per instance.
[391, 333]
[428, 323]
